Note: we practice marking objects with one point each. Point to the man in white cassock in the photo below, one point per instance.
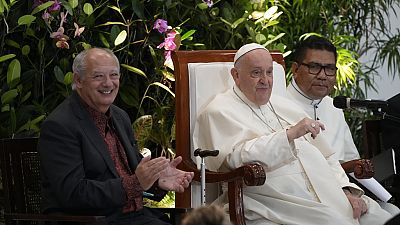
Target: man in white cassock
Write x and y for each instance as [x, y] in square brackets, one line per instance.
[314, 73]
[304, 182]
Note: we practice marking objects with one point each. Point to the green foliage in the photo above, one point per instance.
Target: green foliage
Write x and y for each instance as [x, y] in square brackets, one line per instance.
[36, 54]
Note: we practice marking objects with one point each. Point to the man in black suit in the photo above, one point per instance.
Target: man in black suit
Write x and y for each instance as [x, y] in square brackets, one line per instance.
[90, 163]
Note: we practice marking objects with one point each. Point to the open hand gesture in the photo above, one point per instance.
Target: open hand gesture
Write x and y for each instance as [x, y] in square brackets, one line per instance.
[173, 179]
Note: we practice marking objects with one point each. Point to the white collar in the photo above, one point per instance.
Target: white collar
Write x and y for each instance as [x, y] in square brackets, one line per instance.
[302, 97]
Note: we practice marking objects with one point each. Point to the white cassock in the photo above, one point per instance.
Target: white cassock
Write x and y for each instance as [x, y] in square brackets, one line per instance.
[337, 131]
[304, 183]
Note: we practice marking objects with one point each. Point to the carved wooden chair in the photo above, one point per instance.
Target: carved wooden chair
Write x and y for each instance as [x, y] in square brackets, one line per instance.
[20, 173]
[250, 175]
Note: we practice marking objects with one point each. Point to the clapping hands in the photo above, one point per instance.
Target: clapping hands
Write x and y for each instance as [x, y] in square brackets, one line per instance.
[169, 177]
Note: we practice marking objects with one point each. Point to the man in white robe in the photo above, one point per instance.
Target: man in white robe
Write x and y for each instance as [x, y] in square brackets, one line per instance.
[314, 73]
[304, 181]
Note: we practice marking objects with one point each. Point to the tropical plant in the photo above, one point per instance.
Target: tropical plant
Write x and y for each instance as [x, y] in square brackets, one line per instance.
[40, 38]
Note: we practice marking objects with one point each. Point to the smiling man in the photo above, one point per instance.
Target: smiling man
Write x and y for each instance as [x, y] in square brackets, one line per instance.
[90, 164]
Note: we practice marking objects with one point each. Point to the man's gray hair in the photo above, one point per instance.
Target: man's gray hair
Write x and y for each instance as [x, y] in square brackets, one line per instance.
[79, 65]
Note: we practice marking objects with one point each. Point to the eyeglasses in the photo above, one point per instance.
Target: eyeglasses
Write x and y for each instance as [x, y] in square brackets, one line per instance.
[315, 68]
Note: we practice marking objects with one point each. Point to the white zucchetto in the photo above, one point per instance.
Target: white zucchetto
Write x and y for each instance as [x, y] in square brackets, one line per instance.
[247, 48]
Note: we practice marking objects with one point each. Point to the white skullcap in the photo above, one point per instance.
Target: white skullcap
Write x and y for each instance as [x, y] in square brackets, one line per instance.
[247, 48]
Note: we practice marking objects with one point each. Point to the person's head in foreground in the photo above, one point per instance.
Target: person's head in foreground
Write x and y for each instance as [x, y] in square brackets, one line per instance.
[314, 67]
[206, 215]
[252, 72]
[96, 77]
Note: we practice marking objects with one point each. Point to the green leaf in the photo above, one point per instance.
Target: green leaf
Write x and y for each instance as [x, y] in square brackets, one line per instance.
[13, 119]
[25, 50]
[260, 38]
[114, 33]
[68, 78]
[2, 3]
[5, 108]
[170, 76]
[9, 96]
[163, 87]
[110, 23]
[138, 8]
[26, 20]
[67, 6]
[6, 57]
[202, 6]
[59, 74]
[120, 38]
[134, 69]
[88, 9]
[104, 40]
[12, 43]
[26, 97]
[42, 7]
[154, 56]
[115, 8]
[30, 124]
[13, 73]
[225, 21]
[187, 34]
[237, 22]
[73, 3]
[30, 32]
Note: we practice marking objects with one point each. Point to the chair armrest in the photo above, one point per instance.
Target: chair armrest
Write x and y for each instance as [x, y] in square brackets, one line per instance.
[362, 168]
[252, 174]
[53, 218]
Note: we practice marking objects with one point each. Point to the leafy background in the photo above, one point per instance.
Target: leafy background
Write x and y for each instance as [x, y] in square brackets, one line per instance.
[36, 57]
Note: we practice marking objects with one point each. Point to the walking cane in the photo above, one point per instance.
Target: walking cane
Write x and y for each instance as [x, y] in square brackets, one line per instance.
[203, 154]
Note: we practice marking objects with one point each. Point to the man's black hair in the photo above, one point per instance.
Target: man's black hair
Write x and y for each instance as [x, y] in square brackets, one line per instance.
[313, 42]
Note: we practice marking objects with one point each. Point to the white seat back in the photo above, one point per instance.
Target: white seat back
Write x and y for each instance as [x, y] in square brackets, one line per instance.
[207, 80]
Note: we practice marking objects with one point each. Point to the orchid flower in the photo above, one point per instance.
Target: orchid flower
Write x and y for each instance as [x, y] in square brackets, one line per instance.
[78, 30]
[161, 25]
[62, 43]
[169, 45]
[47, 17]
[55, 7]
[209, 3]
[63, 18]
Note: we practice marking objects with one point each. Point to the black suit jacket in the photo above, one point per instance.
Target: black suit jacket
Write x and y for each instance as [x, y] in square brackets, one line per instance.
[78, 174]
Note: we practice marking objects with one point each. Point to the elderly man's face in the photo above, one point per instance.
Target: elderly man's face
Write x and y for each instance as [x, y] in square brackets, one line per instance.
[316, 85]
[253, 75]
[99, 86]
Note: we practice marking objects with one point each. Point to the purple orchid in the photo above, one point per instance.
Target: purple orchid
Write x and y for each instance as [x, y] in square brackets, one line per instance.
[209, 3]
[160, 25]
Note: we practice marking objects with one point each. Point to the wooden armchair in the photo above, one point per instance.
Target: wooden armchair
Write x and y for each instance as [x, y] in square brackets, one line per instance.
[250, 175]
[20, 173]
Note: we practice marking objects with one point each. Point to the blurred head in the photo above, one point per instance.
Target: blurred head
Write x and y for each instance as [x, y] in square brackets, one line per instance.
[314, 67]
[96, 77]
[206, 215]
[252, 73]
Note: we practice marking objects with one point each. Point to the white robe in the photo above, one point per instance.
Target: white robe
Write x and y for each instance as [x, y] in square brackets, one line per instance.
[337, 131]
[303, 184]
